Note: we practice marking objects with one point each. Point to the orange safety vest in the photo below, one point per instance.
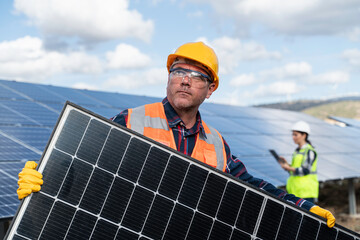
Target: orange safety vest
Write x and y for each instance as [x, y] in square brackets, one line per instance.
[150, 121]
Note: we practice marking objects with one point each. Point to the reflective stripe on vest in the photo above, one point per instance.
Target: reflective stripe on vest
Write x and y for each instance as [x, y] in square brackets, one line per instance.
[150, 121]
[300, 157]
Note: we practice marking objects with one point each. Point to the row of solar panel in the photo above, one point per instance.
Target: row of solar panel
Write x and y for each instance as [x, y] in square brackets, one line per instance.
[55, 97]
[348, 121]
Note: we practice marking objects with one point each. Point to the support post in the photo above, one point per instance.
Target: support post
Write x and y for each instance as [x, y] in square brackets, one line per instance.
[2, 230]
[352, 199]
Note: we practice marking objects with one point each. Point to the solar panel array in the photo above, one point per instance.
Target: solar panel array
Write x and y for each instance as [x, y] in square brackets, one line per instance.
[28, 113]
[102, 181]
[348, 121]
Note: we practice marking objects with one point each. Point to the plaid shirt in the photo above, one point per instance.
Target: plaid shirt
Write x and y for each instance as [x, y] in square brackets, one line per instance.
[185, 142]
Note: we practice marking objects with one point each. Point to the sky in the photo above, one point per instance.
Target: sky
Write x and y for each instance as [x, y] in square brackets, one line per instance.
[268, 50]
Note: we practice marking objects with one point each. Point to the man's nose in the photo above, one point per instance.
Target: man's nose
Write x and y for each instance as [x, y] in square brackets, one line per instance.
[186, 80]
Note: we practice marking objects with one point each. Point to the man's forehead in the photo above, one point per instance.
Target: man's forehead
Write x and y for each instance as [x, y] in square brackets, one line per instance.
[180, 60]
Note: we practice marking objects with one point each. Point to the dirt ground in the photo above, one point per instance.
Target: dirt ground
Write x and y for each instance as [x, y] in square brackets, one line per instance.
[334, 197]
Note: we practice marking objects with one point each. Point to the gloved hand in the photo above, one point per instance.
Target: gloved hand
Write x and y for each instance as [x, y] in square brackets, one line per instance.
[29, 180]
[325, 214]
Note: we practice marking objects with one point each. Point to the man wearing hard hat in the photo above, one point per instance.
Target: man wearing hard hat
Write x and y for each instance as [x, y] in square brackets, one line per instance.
[303, 181]
[176, 122]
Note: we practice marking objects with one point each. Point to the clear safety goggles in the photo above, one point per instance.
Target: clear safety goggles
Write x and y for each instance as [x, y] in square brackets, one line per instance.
[195, 78]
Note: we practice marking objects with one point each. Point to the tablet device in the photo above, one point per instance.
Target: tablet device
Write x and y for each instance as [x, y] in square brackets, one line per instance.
[275, 155]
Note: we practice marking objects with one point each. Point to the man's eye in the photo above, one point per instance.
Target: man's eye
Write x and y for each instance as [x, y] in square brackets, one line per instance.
[180, 72]
[197, 77]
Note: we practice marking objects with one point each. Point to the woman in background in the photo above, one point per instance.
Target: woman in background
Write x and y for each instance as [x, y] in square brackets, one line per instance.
[303, 180]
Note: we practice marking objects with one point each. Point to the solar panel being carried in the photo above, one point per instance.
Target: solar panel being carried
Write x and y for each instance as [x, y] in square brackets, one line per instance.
[103, 181]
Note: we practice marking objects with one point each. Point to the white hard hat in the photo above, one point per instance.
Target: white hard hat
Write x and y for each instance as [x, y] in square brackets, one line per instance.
[301, 126]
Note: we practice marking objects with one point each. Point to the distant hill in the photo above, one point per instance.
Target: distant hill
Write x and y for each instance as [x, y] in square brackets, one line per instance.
[347, 109]
[306, 104]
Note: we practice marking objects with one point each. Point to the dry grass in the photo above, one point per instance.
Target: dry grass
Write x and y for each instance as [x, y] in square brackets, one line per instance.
[348, 109]
[334, 197]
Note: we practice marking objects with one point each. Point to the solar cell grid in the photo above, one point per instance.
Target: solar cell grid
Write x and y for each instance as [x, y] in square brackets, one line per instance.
[34, 112]
[70, 94]
[83, 199]
[33, 91]
[36, 137]
[14, 151]
[10, 116]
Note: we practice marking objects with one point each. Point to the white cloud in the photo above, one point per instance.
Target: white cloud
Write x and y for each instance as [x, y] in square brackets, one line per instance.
[94, 20]
[352, 56]
[243, 80]
[197, 14]
[154, 76]
[279, 88]
[334, 77]
[305, 17]
[285, 78]
[25, 59]
[83, 85]
[354, 34]
[231, 51]
[80, 62]
[127, 56]
[290, 70]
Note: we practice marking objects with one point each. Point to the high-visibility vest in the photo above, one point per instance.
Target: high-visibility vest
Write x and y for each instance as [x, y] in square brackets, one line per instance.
[150, 121]
[306, 186]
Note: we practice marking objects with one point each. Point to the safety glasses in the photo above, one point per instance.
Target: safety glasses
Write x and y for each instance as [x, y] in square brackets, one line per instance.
[196, 79]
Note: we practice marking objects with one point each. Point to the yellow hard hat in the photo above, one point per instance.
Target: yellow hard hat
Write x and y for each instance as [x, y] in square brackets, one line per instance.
[200, 53]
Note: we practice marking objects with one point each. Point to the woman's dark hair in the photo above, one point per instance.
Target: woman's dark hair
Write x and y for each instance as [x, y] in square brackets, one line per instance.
[306, 138]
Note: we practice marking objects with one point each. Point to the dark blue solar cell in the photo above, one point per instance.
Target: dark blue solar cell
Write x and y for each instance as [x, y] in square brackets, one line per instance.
[154, 168]
[212, 194]
[249, 212]
[308, 229]
[138, 209]
[157, 220]
[60, 213]
[113, 151]
[126, 234]
[73, 95]
[55, 171]
[14, 151]
[104, 230]
[272, 216]
[72, 133]
[34, 91]
[119, 196]
[6, 92]
[134, 159]
[179, 222]
[121, 101]
[82, 226]
[36, 137]
[35, 111]
[200, 227]
[193, 186]
[27, 226]
[9, 116]
[93, 141]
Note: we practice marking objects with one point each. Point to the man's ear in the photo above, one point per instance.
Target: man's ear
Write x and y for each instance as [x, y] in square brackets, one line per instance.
[211, 89]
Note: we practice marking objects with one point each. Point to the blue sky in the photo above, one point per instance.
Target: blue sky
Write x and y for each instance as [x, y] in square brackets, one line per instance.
[268, 50]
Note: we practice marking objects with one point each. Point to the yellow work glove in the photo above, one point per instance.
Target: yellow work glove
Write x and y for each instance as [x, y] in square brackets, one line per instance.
[325, 214]
[29, 180]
